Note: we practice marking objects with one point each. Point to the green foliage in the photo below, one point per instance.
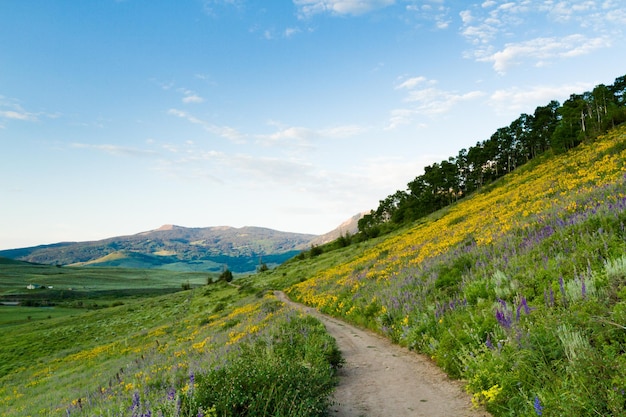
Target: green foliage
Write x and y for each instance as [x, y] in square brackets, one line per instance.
[518, 290]
[316, 250]
[154, 356]
[289, 372]
[226, 275]
[554, 127]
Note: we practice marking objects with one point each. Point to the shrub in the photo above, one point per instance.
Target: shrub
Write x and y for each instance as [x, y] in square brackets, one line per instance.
[288, 372]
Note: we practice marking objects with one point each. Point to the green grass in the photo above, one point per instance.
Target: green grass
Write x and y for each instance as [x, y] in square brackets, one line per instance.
[141, 353]
[10, 316]
[519, 290]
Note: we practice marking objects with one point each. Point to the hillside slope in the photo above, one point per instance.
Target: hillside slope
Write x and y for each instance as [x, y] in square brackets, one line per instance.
[520, 289]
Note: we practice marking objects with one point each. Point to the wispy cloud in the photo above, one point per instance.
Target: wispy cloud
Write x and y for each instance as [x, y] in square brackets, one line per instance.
[543, 50]
[18, 115]
[193, 98]
[585, 25]
[303, 137]
[226, 132]
[524, 99]
[11, 110]
[339, 7]
[292, 136]
[116, 150]
[426, 100]
[190, 96]
[434, 11]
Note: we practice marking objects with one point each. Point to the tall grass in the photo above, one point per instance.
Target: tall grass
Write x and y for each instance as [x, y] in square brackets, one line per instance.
[167, 356]
[520, 290]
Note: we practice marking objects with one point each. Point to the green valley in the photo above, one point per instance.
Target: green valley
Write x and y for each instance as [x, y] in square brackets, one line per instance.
[518, 289]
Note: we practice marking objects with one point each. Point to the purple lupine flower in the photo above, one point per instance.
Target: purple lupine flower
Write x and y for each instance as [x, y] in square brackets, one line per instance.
[171, 394]
[538, 406]
[503, 316]
[136, 399]
[523, 304]
[136, 403]
[488, 343]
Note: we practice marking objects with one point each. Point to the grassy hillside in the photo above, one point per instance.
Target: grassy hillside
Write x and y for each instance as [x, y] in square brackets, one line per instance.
[520, 289]
[212, 351]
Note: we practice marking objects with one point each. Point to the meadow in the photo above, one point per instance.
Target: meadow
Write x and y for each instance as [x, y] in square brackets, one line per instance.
[520, 290]
[70, 291]
[173, 355]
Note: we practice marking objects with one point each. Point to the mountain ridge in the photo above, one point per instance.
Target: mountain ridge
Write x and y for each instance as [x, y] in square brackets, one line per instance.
[170, 246]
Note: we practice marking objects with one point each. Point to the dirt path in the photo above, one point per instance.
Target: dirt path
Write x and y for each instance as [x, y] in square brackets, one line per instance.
[380, 379]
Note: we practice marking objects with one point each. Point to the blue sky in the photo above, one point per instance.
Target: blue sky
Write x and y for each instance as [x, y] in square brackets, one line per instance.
[119, 116]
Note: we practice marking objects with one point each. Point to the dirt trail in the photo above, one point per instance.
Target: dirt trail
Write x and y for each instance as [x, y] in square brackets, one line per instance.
[380, 379]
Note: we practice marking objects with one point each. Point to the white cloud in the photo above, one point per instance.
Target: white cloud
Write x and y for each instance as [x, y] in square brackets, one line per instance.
[340, 132]
[340, 7]
[116, 150]
[193, 98]
[222, 131]
[466, 16]
[190, 96]
[288, 136]
[542, 50]
[18, 115]
[514, 33]
[411, 83]
[427, 100]
[400, 117]
[526, 99]
[11, 110]
[289, 32]
[302, 137]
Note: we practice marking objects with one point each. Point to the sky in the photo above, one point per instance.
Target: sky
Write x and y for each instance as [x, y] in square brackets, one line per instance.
[119, 116]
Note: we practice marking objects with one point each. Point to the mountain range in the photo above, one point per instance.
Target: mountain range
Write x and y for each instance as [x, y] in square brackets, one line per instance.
[184, 249]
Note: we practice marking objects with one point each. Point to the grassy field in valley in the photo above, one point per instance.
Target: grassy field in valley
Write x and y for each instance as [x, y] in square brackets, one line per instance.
[164, 355]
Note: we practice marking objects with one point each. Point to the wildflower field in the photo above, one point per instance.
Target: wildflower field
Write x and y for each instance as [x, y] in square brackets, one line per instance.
[520, 289]
[213, 351]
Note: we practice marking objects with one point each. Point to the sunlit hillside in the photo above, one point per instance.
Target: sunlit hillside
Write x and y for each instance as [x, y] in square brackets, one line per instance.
[213, 351]
[520, 289]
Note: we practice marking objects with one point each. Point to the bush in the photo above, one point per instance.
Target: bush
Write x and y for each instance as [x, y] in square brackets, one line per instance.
[226, 276]
[290, 372]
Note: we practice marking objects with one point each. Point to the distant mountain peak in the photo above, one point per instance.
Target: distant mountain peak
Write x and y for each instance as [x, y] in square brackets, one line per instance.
[167, 227]
[183, 248]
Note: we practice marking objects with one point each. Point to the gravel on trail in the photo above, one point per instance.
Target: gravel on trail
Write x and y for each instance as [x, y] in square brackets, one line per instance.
[380, 379]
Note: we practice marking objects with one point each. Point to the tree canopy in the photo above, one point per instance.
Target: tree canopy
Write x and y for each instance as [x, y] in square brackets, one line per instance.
[554, 127]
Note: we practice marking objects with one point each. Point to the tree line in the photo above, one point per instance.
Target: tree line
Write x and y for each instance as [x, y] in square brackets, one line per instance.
[554, 127]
